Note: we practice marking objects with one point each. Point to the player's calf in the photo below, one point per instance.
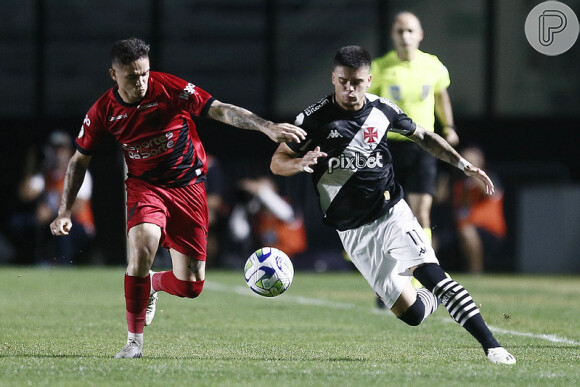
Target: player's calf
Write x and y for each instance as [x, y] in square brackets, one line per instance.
[425, 304]
[463, 309]
[167, 282]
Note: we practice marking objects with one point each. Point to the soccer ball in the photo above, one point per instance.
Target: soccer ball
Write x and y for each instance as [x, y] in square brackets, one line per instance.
[269, 272]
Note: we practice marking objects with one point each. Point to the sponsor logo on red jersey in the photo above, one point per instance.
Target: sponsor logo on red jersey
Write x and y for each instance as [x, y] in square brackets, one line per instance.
[150, 148]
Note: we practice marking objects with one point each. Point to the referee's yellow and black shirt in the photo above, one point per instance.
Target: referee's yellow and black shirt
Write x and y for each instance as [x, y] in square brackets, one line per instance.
[412, 85]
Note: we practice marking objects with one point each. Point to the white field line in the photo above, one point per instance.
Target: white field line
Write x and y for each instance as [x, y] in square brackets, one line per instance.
[245, 291]
[551, 338]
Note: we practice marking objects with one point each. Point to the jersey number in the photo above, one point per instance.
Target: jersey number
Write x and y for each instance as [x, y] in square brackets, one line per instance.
[415, 237]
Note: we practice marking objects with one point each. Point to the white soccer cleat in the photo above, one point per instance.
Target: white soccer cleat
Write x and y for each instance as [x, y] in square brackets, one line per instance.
[133, 349]
[151, 308]
[499, 355]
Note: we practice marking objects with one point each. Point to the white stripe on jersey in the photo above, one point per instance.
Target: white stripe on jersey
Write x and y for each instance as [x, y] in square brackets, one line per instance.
[332, 181]
[330, 184]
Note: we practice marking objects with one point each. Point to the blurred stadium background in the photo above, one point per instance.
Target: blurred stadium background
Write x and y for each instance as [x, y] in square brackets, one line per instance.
[274, 57]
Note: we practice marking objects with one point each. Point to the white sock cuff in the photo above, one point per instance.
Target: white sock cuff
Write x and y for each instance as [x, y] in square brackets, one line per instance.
[429, 300]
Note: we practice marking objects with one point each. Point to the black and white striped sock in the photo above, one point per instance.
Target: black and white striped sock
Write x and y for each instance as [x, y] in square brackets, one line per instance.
[462, 308]
[456, 299]
[458, 303]
[429, 300]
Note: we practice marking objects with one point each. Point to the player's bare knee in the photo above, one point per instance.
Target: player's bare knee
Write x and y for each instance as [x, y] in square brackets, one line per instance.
[197, 268]
[142, 254]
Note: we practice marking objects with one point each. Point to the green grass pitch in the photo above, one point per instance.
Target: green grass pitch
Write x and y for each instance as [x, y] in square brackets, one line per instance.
[62, 327]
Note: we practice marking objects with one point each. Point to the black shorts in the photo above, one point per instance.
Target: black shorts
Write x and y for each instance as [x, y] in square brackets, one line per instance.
[415, 169]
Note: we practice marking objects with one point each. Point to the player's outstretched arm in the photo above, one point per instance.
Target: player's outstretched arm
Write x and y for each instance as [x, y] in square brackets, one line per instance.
[245, 119]
[438, 147]
[477, 173]
[285, 162]
[75, 174]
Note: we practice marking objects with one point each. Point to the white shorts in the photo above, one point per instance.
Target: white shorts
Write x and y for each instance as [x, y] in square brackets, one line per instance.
[384, 250]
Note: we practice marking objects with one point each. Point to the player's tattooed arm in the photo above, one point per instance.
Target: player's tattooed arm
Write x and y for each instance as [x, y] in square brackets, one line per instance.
[438, 147]
[435, 145]
[236, 116]
[75, 174]
[245, 119]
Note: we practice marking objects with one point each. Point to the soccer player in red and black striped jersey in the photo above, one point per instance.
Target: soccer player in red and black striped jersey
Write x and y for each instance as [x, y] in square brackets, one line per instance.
[149, 113]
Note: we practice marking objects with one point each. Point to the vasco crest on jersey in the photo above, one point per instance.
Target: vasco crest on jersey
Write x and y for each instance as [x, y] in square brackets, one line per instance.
[370, 135]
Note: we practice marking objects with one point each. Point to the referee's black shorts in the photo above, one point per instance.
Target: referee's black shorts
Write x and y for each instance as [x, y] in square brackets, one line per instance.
[415, 168]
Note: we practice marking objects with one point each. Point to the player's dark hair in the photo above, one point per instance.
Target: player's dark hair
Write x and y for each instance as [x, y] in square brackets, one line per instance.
[354, 57]
[129, 50]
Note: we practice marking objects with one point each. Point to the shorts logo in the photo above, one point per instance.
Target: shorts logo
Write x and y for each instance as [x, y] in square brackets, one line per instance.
[356, 162]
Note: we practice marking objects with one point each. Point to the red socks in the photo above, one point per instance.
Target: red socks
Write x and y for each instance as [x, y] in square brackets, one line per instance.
[137, 291]
[167, 282]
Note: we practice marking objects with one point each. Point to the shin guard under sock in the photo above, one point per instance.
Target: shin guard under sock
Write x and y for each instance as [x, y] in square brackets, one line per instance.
[136, 298]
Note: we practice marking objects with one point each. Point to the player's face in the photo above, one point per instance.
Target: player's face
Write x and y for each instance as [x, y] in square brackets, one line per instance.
[407, 33]
[133, 79]
[350, 86]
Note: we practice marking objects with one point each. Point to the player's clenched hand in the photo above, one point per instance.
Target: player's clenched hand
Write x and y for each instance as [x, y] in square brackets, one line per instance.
[285, 132]
[479, 174]
[61, 226]
[311, 158]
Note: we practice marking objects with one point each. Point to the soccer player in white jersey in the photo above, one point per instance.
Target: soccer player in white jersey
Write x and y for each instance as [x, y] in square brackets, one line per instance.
[347, 154]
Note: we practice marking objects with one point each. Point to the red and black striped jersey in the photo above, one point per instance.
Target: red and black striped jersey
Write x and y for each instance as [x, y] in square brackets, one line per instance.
[158, 135]
[355, 183]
